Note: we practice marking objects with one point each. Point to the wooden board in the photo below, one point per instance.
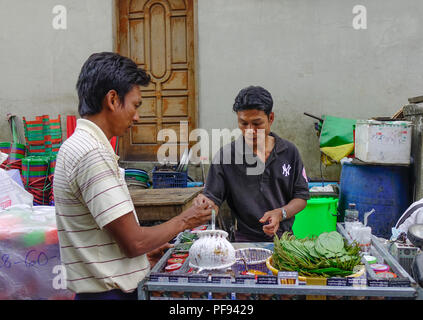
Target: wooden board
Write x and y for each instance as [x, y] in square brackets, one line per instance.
[162, 204]
[418, 99]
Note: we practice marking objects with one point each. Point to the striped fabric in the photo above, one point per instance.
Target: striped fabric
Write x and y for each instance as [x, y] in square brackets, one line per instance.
[90, 192]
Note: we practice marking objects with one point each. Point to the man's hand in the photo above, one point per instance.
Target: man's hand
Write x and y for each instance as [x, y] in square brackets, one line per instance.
[201, 199]
[155, 255]
[198, 214]
[273, 217]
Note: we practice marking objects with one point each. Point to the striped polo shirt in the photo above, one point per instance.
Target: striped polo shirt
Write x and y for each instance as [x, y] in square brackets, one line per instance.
[90, 192]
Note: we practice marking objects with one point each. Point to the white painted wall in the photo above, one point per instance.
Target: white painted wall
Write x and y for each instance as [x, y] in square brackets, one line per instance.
[305, 52]
[308, 55]
[39, 65]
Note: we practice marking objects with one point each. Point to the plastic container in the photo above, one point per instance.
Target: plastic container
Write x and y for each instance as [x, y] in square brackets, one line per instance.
[386, 142]
[351, 227]
[354, 229]
[364, 239]
[385, 275]
[351, 214]
[175, 260]
[379, 267]
[370, 259]
[173, 267]
[320, 215]
[385, 188]
[169, 179]
[180, 255]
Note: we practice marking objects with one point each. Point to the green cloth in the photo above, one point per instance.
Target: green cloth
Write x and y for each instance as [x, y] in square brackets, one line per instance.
[336, 131]
[336, 138]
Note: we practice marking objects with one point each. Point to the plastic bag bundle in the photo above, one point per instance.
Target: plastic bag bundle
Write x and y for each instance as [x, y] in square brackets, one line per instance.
[30, 256]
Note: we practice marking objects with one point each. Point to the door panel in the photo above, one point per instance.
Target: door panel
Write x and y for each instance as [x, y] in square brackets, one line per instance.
[159, 36]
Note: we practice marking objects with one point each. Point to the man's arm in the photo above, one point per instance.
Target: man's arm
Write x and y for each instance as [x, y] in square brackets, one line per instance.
[298, 202]
[100, 186]
[136, 240]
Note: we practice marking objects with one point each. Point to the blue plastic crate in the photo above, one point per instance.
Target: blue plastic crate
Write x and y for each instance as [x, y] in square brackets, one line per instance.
[169, 179]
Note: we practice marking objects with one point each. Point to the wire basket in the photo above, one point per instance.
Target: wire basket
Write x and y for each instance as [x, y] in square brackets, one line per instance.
[251, 259]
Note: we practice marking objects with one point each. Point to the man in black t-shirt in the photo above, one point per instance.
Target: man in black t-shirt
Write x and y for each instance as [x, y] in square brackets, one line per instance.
[260, 175]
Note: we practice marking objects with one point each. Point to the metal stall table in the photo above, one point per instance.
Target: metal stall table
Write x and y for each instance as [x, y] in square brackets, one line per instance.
[159, 285]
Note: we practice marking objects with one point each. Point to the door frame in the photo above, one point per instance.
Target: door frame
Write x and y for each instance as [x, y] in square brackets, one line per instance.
[116, 30]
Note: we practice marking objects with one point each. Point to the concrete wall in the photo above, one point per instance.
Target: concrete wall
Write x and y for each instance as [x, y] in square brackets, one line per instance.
[306, 53]
[40, 65]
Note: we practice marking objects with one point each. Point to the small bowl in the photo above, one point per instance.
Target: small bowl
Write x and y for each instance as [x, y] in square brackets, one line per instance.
[251, 259]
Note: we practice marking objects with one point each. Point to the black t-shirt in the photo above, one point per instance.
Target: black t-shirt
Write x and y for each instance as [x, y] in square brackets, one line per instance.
[251, 188]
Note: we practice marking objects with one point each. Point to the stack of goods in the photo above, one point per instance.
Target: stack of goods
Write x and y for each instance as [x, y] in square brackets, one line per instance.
[37, 176]
[136, 178]
[43, 135]
[16, 152]
[43, 138]
[30, 254]
[328, 255]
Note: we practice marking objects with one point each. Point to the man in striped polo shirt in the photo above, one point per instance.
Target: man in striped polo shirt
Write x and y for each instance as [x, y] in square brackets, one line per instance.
[102, 246]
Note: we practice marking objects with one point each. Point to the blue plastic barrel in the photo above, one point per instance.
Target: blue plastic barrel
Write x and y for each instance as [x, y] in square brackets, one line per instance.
[387, 189]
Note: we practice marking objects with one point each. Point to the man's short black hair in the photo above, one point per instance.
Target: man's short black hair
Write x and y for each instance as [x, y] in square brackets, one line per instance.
[253, 97]
[103, 72]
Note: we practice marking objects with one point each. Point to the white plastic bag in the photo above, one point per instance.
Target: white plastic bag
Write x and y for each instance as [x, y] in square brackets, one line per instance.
[11, 193]
[3, 157]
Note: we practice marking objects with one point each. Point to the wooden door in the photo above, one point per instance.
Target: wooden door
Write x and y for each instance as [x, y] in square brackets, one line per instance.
[159, 35]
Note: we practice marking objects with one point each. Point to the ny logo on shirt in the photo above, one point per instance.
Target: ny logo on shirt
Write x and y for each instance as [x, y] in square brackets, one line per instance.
[286, 169]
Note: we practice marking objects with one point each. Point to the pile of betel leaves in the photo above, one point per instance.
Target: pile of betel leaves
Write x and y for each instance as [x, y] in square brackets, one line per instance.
[328, 255]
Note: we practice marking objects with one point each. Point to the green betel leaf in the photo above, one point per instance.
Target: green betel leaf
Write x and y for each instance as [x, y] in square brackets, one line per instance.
[331, 241]
[325, 256]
